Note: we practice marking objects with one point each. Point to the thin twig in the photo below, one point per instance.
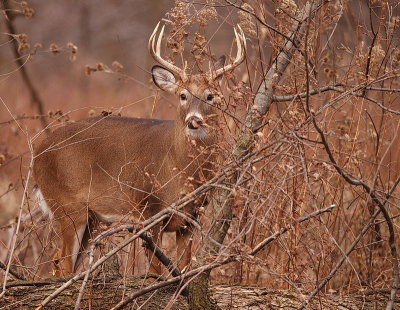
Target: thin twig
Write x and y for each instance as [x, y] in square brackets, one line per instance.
[371, 192]
[14, 241]
[22, 117]
[161, 256]
[340, 262]
[384, 89]
[299, 220]
[379, 104]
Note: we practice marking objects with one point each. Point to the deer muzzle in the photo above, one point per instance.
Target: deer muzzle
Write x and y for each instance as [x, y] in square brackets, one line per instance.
[195, 126]
[194, 122]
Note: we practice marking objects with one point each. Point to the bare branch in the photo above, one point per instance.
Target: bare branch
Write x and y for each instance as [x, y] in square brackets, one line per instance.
[372, 194]
[264, 96]
[312, 92]
[163, 258]
[273, 237]
[341, 261]
[14, 241]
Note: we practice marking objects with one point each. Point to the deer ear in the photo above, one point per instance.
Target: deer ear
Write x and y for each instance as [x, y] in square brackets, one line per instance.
[164, 79]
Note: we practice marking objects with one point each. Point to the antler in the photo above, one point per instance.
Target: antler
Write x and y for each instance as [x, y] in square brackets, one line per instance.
[155, 51]
[241, 48]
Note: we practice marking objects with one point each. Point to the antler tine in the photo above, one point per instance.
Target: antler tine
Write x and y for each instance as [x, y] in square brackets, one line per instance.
[238, 46]
[155, 51]
[240, 55]
[158, 50]
[243, 37]
[150, 45]
[243, 45]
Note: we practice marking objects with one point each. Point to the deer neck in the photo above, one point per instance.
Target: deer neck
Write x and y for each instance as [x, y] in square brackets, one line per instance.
[186, 147]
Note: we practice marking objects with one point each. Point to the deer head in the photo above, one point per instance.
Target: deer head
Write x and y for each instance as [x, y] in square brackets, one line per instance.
[197, 93]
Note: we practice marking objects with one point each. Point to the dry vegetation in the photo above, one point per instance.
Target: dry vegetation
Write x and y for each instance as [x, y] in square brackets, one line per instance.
[330, 138]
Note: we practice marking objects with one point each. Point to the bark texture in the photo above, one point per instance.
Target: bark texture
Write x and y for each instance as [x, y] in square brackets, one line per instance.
[99, 294]
[104, 294]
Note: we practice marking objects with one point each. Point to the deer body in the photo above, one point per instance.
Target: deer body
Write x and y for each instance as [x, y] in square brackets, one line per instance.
[120, 159]
[119, 169]
[128, 169]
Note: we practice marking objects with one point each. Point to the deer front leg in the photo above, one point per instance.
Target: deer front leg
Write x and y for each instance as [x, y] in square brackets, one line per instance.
[184, 242]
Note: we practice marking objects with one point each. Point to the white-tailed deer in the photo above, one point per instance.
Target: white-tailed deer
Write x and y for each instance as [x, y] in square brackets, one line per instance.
[119, 168]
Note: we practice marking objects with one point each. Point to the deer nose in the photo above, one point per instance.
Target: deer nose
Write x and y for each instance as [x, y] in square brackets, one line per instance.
[194, 122]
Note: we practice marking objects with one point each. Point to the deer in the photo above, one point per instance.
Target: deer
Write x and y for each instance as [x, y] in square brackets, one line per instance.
[122, 169]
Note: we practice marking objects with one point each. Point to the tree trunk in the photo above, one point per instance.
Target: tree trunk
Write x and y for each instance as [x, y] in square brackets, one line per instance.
[199, 295]
[254, 119]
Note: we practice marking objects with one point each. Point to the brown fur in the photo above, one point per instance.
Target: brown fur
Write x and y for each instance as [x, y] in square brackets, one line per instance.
[118, 168]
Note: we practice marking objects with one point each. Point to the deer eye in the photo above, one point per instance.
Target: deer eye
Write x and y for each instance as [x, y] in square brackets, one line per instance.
[183, 96]
[210, 97]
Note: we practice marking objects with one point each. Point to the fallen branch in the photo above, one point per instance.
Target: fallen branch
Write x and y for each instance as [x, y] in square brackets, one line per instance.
[13, 272]
[103, 295]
